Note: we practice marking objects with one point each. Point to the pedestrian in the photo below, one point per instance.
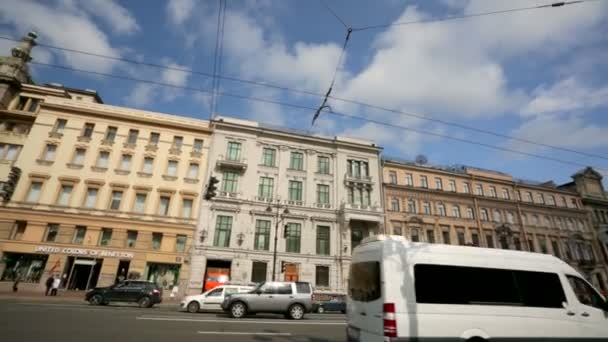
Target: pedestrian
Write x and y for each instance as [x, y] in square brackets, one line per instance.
[16, 282]
[56, 283]
[49, 284]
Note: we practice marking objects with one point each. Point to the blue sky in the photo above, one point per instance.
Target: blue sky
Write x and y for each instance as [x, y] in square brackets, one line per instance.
[538, 75]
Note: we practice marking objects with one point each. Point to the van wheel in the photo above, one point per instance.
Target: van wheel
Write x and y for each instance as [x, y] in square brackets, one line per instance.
[193, 307]
[320, 309]
[238, 310]
[296, 312]
[144, 302]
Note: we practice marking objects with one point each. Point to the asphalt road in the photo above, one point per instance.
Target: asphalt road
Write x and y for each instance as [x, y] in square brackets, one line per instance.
[35, 321]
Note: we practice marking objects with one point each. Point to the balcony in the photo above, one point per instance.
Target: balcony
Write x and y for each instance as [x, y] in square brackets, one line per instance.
[224, 163]
[323, 205]
[297, 203]
[350, 179]
[354, 206]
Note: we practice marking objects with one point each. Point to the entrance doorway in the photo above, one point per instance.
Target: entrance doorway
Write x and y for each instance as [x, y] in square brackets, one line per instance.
[217, 273]
[122, 271]
[291, 272]
[83, 273]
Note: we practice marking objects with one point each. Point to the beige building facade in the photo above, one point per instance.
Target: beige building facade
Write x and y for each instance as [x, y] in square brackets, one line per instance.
[105, 192]
[469, 206]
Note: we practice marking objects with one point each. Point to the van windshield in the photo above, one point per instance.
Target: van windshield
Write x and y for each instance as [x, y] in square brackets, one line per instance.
[364, 284]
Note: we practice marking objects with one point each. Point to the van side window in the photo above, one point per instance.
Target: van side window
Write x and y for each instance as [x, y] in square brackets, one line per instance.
[364, 284]
[302, 287]
[585, 293]
[486, 286]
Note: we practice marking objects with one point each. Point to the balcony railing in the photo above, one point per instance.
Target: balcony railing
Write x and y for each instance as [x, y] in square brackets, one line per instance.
[351, 178]
[354, 206]
[239, 164]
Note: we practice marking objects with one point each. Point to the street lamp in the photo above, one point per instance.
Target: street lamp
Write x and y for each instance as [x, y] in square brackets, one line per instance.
[278, 219]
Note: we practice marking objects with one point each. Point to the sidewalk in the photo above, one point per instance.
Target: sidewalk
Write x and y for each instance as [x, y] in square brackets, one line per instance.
[72, 297]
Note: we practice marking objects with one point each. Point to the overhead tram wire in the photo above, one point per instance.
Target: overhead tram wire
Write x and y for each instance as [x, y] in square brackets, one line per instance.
[217, 55]
[302, 107]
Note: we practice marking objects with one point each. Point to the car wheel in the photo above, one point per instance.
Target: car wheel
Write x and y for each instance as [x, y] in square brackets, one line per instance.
[96, 300]
[144, 302]
[320, 309]
[193, 306]
[238, 310]
[296, 311]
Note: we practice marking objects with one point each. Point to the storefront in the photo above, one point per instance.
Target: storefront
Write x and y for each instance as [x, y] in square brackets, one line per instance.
[27, 268]
[165, 275]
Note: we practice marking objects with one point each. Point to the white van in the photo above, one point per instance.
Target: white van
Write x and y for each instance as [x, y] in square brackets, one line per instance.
[400, 290]
[211, 300]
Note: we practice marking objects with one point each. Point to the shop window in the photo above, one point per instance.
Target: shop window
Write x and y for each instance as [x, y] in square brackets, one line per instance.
[164, 275]
[180, 243]
[322, 276]
[106, 237]
[258, 272]
[52, 230]
[79, 234]
[28, 268]
[131, 238]
[157, 239]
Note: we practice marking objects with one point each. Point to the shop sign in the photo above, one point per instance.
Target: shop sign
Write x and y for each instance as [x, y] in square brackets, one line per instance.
[83, 252]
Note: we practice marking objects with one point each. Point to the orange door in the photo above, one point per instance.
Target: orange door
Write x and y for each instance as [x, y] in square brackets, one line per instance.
[291, 272]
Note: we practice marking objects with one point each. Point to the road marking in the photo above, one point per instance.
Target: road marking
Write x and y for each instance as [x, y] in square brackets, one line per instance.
[242, 333]
[246, 321]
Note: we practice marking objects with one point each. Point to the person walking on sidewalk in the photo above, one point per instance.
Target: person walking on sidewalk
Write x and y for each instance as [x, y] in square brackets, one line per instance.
[49, 284]
[56, 283]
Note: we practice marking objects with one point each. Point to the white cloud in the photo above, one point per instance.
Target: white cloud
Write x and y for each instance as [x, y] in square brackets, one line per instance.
[117, 17]
[62, 26]
[174, 76]
[566, 95]
[141, 95]
[180, 10]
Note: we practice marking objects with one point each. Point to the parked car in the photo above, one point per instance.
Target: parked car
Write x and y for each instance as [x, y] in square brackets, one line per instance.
[211, 300]
[294, 299]
[330, 306]
[467, 293]
[144, 293]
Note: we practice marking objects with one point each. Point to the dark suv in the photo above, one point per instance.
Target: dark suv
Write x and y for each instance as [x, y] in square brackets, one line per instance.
[144, 293]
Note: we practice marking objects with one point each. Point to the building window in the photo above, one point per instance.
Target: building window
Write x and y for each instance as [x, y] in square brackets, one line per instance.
[452, 185]
[230, 181]
[295, 190]
[148, 165]
[78, 158]
[28, 104]
[59, 126]
[88, 129]
[395, 204]
[542, 242]
[115, 200]
[470, 213]
[193, 171]
[265, 189]
[293, 232]
[132, 137]
[49, 152]
[322, 194]
[460, 236]
[91, 198]
[493, 191]
[490, 240]
[140, 203]
[178, 142]
[197, 146]
[551, 200]
[426, 208]
[409, 179]
[180, 243]
[540, 198]
[411, 206]
[392, 177]
[456, 211]
[505, 194]
[397, 228]
[430, 236]
[438, 183]
[262, 235]
[531, 245]
[357, 168]
[574, 202]
[111, 134]
[33, 194]
[64, 194]
[163, 205]
[323, 165]
[441, 209]
[414, 235]
[258, 272]
[322, 276]
[517, 243]
[187, 207]
[106, 237]
[484, 215]
[172, 168]
[269, 156]
[79, 234]
[297, 161]
[555, 247]
[475, 239]
[223, 227]
[125, 162]
[234, 151]
[9, 151]
[534, 220]
[424, 182]
[323, 246]
[496, 216]
[157, 240]
[510, 218]
[131, 238]
[52, 230]
[479, 190]
[102, 161]
[529, 197]
[154, 139]
[445, 235]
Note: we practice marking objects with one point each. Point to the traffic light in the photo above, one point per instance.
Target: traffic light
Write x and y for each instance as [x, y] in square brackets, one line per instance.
[11, 183]
[211, 188]
[286, 231]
